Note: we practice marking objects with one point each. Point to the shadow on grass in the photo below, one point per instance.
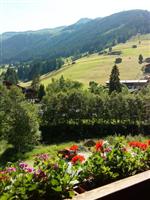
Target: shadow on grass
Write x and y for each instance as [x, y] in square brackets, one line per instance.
[11, 155]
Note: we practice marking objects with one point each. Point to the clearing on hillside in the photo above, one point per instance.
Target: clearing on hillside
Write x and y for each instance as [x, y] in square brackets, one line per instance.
[98, 67]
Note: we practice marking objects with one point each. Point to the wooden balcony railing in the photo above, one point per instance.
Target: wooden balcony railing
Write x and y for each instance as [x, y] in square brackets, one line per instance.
[134, 187]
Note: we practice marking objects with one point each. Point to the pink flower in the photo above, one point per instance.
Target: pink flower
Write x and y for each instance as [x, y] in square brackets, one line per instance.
[23, 165]
[43, 156]
[3, 172]
[29, 169]
[11, 169]
[55, 166]
[124, 149]
[40, 174]
[108, 149]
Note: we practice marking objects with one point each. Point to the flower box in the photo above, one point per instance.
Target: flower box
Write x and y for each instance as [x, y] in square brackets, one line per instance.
[107, 172]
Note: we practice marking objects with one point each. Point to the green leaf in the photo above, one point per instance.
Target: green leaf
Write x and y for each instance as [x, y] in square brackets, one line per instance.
[54, 182]
[57, 189]
[71, 194]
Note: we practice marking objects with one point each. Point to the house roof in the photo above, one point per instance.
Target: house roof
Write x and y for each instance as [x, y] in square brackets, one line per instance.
[132, 81]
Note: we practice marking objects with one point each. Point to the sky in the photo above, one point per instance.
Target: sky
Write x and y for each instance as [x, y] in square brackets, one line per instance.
[22, 15]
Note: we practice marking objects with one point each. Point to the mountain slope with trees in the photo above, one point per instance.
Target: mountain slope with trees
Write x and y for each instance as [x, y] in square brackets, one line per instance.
[97, 67]
[84, 36]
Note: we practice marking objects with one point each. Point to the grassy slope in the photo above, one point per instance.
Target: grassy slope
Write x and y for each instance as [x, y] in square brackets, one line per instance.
[98, 67]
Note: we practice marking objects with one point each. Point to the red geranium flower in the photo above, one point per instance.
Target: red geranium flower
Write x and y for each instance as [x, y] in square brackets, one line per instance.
[140, 145]
[74, 148]
[144, 146]
[99, 145]
[77, 158]
[148, 142]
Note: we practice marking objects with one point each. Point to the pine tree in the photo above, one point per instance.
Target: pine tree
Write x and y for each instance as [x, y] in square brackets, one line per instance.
[114, 81]
[41, 92]
[110, 49]
[36, 83]
[11, 76]
[140, 59]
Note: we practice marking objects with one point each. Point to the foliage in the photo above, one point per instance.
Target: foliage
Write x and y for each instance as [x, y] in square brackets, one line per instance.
[41, 92]
[18, 119]
[36, 83]
[47, 179]
[114, 81]
[11, 76]
[110, 49]
[140, 59]
[64, 104]
[62, 85]
[95, 88]
[4, 126]
[134, 46]
[29, 70]
[59, 62]
[118, 60]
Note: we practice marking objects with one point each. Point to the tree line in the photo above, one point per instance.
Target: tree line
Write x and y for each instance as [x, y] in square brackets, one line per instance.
[67, 103]
[95, 105]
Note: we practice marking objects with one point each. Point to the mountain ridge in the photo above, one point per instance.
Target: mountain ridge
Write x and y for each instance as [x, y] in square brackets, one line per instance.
[93, 35]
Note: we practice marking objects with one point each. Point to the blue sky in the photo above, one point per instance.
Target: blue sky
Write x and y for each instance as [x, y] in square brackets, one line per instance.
[21, 15]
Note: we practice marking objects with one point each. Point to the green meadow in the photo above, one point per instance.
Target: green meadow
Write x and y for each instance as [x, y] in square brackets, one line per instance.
[98, 67]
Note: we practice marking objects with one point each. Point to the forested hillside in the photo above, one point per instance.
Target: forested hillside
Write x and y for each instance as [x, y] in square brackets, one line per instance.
[84, 36]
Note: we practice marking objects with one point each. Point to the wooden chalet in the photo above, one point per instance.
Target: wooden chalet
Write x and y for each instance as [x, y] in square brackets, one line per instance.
[29, 93]
[133, 85]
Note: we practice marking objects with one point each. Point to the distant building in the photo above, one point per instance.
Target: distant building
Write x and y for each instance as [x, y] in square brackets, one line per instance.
[133, 85]
[147, 68]
[29, 93]
[147, 60]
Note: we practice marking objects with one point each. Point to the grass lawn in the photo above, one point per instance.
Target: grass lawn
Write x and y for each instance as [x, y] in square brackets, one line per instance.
[52, 150]
[7, 152]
